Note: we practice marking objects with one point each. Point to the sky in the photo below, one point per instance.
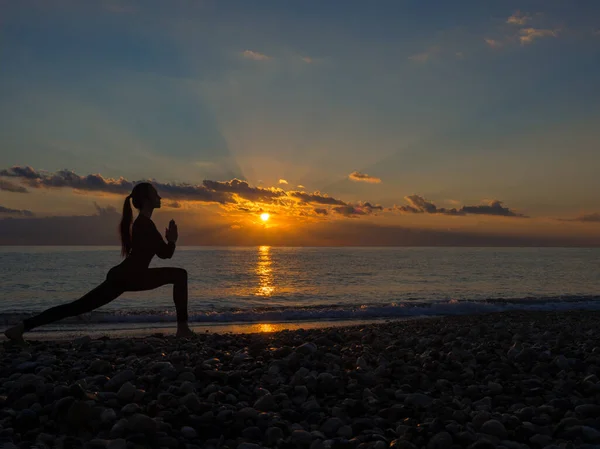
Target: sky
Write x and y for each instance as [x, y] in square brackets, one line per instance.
[349, 123]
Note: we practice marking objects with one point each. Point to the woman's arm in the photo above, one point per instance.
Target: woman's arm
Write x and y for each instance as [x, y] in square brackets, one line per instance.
[162, 249]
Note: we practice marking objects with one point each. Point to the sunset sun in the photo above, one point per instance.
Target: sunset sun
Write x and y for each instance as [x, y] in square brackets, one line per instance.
[265, 216]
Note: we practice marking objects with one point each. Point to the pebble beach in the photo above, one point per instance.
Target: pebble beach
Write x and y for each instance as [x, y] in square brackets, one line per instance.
[498, 380]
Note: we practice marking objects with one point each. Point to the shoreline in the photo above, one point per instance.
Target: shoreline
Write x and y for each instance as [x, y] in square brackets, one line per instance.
[499, 380]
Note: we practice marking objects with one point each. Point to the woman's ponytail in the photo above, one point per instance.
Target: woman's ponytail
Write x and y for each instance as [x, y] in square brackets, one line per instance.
[125, 228]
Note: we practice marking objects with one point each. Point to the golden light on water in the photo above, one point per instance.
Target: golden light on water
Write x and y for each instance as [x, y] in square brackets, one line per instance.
[264, 271]
[266, 328]
[265, 216]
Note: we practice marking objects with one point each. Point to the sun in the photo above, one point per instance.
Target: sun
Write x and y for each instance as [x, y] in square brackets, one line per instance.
[265, 216]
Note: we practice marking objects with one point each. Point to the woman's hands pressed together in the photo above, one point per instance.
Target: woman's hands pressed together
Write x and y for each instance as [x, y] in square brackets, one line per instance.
[171, 232]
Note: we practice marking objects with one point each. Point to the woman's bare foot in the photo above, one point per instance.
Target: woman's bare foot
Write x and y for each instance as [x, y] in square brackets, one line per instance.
[15, 333]
[184, 332]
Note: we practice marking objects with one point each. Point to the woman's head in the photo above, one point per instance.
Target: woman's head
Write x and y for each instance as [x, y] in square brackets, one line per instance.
[144, 196]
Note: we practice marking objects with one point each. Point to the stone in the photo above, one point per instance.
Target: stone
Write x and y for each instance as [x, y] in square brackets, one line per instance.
[441, 440]
[141, 423]
[331, 426]
[301, 438]
[273, 435]
[119, 379]
[126, 392]
[118, 443]
[495, 428]
[188, 432]
[265, 403]
[307, 348]
[418, 400]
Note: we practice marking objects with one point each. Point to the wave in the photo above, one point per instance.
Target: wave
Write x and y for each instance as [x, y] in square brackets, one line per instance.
[404, 309]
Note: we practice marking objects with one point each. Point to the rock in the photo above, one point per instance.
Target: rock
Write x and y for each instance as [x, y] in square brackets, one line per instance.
[252, 433]
[401, 443]
[588, 410]
[590, 435]
[118, 429]
[418, 400]
[119, 379]
[131, 409]
[441, 440]
[126, 392]
[98, 444]
[266, 403]
[273, 435]
[108, 416]
[119, 443]
[188, 432]
[248, 446]
[191, 401]
[141, 423]
[307, 348]
[495, 388]
[301, 438]
[345, 432]
[495, 428]
[540, 440]
[331, 426]
[561, 362]
[248, 413]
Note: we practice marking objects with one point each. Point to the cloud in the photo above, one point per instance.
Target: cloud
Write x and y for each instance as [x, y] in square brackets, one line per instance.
[493, 43]
[425, 56]
[174, 205]
[528, 35]
[316, 197]
[283, 181]
[10, 187]
[321, 211]
[108, 210]
[300, 186]
[518, 18]
[363, 177]
[589, 218]
[350, 210]
[255, 56]
[419, 205]
[307, 60]
[20, 212]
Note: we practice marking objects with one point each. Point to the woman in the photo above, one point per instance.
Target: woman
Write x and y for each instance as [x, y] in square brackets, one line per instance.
[138, 246]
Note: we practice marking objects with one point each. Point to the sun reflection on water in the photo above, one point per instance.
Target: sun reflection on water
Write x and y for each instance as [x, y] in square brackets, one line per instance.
[264, 272]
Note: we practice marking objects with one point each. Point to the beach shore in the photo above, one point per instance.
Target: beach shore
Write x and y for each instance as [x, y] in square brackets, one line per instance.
[500, 380]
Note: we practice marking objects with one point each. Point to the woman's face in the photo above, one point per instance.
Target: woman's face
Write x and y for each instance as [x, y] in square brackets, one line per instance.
[154, 198]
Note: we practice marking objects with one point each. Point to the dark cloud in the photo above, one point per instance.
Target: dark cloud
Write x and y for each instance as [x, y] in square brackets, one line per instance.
[244, 190]
[589, 218]
[316, 197]
[494, 208]
[350, 210]
[321, 211]
[21, 172]
[363, 177]
[419, 205]
[108, 210]
[174, 205]
[10, 187]
[20, 212]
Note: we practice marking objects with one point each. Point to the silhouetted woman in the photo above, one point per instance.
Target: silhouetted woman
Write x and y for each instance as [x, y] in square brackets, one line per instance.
[138, 246]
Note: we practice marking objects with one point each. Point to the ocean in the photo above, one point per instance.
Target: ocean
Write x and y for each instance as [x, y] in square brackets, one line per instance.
[269, 288]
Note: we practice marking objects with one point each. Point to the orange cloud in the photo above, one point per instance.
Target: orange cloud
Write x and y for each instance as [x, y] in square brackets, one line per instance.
[528, 35]
[283, 181]
[493, 43]
[363, 177]
[518, 18]
[255, 56]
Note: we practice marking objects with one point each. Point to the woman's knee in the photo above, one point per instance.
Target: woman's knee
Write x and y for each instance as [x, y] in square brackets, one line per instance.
[181, 275]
